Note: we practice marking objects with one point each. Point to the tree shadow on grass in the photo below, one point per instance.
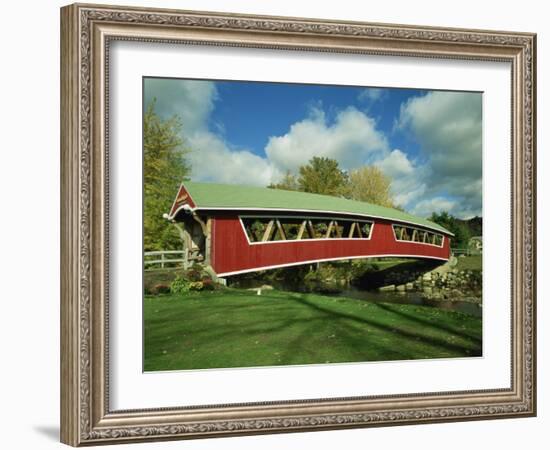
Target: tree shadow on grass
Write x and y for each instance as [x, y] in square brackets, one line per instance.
[358, 347]
[394, 309]
[429, 340]
[298, 328]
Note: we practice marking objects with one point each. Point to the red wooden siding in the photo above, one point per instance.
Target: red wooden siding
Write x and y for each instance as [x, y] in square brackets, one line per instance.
[231, 251]
[183, 198]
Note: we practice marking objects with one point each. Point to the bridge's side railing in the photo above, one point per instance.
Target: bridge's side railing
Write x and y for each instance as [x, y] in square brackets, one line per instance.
[169, 258]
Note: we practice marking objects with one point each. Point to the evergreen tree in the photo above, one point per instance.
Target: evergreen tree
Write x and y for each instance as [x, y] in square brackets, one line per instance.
[460, 230]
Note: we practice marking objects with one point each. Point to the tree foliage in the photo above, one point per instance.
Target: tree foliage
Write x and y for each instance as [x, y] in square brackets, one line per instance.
[289, 183]
[459, 228]
[475, 225]
[164, 168]
[322, 176]
[370, 184]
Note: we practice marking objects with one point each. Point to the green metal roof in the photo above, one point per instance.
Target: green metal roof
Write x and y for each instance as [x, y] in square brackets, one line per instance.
[229, 196]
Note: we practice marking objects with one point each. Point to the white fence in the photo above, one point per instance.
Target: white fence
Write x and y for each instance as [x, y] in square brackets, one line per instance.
[169, 259]
[465, 251]
[163, 259]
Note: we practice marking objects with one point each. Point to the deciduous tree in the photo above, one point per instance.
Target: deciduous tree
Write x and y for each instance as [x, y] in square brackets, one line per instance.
[164, 168]
[456, 226]
[322, 176]
[370, 184]
[289, 182]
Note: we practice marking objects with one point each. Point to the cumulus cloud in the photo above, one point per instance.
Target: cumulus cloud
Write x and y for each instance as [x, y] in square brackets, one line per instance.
[396, 164]
[447, 125]
[192, 100]
[407, 177]
[212, 159]
[371, 95]
[352, 139]
[436, 204]
[445, 175]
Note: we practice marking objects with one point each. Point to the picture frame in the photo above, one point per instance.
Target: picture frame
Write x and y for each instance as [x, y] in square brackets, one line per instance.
[87, 31]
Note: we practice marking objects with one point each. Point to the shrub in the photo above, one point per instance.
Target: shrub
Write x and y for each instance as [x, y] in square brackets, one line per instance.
[196, 286]
[160, 289]
[208, 284]
[196, 273]
[312, 276]
[193, 275]
[179, 286]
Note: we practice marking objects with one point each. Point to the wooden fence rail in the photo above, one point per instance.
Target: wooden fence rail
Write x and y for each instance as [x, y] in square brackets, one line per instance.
[169, 258]
[465, 251]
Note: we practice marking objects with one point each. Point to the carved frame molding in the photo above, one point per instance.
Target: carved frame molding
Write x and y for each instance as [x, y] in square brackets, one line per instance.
[86, 32]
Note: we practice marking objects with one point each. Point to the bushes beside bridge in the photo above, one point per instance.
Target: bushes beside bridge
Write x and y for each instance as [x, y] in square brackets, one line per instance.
[177, 281]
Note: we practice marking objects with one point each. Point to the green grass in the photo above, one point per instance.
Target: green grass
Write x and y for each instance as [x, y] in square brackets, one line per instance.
[470, 263]
[236, 328]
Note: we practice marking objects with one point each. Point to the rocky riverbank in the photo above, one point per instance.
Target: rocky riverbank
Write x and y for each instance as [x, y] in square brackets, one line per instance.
[459, 280]
[446, 282]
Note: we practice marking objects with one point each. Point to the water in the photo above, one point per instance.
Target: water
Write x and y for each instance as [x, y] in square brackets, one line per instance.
[404, 298]
[412, 298]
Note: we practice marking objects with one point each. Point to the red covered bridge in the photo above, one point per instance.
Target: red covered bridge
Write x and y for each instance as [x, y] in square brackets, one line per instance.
[237, 229]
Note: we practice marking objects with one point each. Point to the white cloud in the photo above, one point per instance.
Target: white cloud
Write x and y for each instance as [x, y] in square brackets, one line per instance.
[213, 161]
[371, 95]
[407, 178]
[192, 100]
[447, 125]
[211, 157]
[411, 191]
[424, 208]
[352, 140]
[396, 164]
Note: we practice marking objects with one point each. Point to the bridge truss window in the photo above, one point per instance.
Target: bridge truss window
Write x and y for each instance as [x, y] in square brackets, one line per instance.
[271, 229]
[411, 234]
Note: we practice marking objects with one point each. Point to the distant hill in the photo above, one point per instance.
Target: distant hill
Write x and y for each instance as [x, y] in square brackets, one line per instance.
[474, 225]
[462, 229]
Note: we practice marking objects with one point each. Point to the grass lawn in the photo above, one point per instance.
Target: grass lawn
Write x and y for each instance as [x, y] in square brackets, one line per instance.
[473, 262]
[237, 328]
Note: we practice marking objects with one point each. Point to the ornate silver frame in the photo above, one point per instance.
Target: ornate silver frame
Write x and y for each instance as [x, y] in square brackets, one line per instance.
[86, 31]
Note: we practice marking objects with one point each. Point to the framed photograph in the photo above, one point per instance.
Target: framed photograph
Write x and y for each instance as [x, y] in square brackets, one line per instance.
[277, 224]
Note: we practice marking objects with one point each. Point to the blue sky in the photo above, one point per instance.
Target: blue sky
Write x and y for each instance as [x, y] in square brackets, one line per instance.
[427, 142]
[252, 112]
